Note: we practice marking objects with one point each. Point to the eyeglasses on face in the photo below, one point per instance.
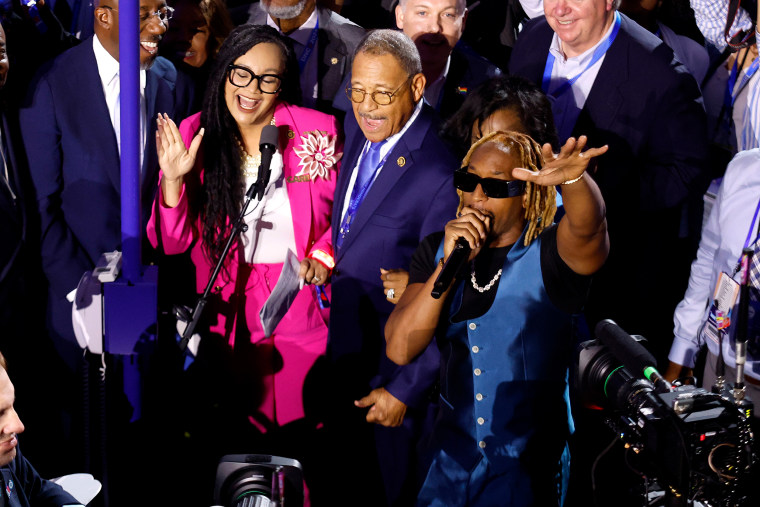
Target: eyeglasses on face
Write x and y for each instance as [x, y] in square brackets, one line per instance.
[242, 77]
[381, 98]
[163, 14]
[493, 188]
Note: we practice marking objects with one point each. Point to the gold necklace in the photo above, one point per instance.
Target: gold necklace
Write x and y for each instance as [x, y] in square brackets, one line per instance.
[251, 163]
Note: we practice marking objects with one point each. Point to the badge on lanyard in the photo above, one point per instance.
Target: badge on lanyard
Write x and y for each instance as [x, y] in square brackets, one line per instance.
[724, 299]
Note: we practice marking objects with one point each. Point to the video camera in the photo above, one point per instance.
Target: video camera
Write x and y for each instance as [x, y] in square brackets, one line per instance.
[695, 443]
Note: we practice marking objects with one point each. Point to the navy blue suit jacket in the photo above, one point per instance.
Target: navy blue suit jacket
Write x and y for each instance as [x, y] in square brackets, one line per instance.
[412, 196]
[12, 221]
[74, 164]
[27, 488]
[467, 70]
[646, 106]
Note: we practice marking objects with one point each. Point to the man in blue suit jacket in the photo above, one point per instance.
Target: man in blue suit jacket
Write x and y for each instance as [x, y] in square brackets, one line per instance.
[410, 195]
[67, 124]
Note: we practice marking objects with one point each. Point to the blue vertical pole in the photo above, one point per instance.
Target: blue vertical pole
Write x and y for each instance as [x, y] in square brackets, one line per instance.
[129, 81]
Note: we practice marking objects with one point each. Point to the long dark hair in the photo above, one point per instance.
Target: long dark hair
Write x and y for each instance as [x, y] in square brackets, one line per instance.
[223, 180]
[504, 92]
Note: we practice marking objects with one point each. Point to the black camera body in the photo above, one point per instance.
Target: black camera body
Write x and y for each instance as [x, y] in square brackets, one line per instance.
[696, 443]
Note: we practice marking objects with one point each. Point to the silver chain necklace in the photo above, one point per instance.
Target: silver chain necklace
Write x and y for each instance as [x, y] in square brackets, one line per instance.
[488, 286]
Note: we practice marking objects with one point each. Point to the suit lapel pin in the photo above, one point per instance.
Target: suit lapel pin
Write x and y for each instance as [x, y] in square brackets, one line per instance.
[333, 60]
[401, 161]
[291, 134]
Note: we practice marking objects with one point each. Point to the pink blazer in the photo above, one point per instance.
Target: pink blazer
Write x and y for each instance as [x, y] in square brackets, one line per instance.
[311, 199]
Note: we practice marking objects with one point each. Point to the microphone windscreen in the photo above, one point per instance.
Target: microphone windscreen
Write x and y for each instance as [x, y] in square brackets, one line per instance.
[269, 135]
[624, 346]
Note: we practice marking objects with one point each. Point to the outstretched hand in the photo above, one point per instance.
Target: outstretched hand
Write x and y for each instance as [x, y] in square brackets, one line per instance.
[174, 158]
[570, 163]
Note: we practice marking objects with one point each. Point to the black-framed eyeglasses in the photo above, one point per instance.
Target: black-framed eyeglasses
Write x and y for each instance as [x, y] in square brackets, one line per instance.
[163, 14]
[242, 77]
[493, 188]
[381, 98]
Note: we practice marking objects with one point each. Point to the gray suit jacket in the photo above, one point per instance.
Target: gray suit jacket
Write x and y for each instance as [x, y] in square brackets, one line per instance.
[338, 38]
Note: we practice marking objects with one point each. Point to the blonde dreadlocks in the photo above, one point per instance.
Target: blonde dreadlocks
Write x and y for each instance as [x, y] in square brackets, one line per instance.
[540, 201]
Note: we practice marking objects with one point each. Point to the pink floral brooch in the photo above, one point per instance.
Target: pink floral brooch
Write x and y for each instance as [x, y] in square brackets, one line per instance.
[317, 154]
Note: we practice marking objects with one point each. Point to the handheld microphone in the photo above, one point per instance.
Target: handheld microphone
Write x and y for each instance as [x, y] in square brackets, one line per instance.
[453, 264]
[267, 147]
[633, 355]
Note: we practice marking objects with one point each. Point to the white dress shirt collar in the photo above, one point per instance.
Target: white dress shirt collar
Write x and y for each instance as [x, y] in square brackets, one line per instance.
[302, 33]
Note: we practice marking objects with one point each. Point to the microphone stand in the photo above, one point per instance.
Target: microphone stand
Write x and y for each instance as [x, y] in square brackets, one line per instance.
[741, 336]
[183, 313]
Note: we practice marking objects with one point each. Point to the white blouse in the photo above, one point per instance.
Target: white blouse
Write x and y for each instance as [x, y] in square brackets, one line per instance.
[270, 222]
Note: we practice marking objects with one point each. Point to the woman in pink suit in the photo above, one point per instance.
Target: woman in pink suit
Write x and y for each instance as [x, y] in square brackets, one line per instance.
[207, 165]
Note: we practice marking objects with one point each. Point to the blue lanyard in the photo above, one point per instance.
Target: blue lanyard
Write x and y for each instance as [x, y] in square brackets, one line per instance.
[743, 263]
[598, 53]
[310, 45]
[749, 241]
[730, 96]
[358, 197]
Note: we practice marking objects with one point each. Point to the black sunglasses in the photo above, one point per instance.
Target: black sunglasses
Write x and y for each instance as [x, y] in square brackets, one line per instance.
[493, 188]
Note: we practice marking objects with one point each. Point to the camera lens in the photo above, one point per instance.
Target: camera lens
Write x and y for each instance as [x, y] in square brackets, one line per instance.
[252, 488]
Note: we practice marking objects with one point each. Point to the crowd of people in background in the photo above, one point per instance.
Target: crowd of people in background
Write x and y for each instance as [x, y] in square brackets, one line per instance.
[597, 158]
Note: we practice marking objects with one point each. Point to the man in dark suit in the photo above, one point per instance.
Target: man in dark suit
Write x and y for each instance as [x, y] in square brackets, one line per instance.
[451, 68]
[12, 217]
[323, 42]
[642, 103]
[23, 337]
[23, 486]
[69, 123]
[396, 186]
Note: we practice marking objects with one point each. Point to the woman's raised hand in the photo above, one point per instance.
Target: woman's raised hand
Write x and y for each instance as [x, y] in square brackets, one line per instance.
[174, 158]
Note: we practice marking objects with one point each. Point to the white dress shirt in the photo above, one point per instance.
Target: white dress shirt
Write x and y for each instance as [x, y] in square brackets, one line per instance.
[720, 248]
[108, 69]
[270, 223]
[567, 107]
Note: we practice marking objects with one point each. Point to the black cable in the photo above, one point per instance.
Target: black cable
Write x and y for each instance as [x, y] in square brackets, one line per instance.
[593, 468]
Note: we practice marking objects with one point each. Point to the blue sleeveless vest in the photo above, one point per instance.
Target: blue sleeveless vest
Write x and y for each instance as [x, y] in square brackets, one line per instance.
[504, 392]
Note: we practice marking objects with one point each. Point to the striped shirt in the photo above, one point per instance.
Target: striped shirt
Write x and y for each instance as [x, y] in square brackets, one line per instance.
[711, 20]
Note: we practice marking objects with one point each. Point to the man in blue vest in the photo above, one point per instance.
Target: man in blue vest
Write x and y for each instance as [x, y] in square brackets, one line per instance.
[504, 325]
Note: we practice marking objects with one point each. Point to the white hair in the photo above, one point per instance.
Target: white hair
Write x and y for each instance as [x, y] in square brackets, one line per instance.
[284, 12]
[395, 43]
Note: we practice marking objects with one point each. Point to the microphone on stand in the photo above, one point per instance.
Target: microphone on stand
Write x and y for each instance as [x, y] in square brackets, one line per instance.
[453, 264]
[267, 147]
